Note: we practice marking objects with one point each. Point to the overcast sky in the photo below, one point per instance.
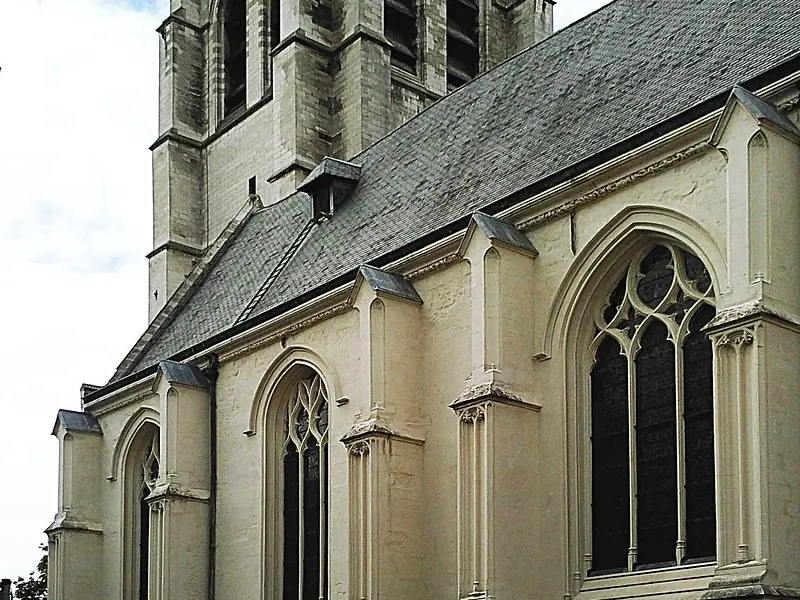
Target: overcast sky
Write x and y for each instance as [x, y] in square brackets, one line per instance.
[78, 109]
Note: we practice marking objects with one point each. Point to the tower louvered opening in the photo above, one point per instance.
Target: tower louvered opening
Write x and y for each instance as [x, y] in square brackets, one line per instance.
[400, 28]
[234, 29]
[463, 51]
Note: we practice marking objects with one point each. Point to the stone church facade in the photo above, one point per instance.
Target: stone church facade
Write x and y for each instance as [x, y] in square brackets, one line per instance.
[537, 337]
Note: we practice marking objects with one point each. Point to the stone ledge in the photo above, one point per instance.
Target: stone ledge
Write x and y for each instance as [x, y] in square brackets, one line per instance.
[66, 522]
[751, 592]
[491, 392]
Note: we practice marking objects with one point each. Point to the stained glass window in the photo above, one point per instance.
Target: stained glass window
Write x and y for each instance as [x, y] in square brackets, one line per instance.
[651, 319]
[149, 477]
[305, 492]
[610, 456]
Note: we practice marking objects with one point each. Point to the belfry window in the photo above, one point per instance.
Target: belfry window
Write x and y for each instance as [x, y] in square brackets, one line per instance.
[274, 24]
[652, 434]
[400, 27]
[234, 33]
[148, 473]
[463, 51]
[305, 492]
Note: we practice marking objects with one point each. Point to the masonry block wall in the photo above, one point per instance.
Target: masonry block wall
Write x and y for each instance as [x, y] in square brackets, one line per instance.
[320, 82]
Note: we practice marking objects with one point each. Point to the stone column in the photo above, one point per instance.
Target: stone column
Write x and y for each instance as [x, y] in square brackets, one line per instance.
[756, 337]
[75, 538]
[385, 447]
[179, 212]
[179, 504]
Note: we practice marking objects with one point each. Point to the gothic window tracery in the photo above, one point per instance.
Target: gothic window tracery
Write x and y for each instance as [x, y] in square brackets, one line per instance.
[305, 492]
[652, 475]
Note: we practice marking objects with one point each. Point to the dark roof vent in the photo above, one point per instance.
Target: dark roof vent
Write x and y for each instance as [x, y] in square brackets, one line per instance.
[328, 185]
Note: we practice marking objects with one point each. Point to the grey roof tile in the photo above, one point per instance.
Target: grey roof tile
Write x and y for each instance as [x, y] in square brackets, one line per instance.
[389, 283]
[77, 421]
[497, 229]
[189, 375]
[587, 89]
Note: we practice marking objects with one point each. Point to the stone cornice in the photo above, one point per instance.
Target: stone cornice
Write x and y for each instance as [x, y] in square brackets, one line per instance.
[66, 522]
[638, 176]
[490, 392]
[373, 428]
[747, 313]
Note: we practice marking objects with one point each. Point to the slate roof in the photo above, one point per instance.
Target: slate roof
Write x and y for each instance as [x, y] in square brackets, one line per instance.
[581, 94]
[77, 421]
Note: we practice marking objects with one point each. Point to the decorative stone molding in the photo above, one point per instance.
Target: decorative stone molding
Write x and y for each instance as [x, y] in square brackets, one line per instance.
[737, 339]
[790, 105]
[490, 391]
[284, 333]
[434, 266]
[473, 415]
[135, 399]
[363, 431]
[751, 592]
[637, 176]
[750, 311]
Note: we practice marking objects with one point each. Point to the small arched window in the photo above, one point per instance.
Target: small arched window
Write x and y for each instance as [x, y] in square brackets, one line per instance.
[149, 467]
[652, 434]
[234, 34]
[141, 475]
[305, 491]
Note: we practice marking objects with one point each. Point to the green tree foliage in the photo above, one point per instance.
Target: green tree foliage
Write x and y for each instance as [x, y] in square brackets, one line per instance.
[35, 587]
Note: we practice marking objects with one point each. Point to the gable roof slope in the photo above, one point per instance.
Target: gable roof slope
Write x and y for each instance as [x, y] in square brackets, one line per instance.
[587, 89]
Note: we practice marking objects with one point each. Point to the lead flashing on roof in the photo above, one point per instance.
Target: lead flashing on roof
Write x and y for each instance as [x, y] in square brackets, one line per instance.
[497, 230]
[181, 374]
[767, 114]
[385, 283]
[72, 420]
[329, 184]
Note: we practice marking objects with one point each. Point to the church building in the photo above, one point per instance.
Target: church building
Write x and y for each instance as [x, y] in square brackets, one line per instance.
[447, 306]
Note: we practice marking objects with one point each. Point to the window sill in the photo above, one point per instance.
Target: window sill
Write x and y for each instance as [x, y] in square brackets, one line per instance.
[663, 582]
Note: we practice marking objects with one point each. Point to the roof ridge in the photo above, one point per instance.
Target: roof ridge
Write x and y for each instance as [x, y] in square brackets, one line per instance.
[182, 294]
[287, 256]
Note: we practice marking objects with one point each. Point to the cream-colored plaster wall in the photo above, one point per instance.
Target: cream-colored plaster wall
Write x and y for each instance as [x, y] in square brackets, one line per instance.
[445, 351]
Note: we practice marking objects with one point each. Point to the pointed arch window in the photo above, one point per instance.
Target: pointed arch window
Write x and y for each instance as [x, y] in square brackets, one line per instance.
[141, 473]
[305, 492]
[149, 476]
[652, 435]
[234, 39]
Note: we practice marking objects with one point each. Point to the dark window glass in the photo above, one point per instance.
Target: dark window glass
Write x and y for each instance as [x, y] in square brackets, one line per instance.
[311, 523]
[610, 458]
[235, 54]
[658, 274]
[305, 528]
[656, 447]
[614, 302]
[144, 544]
[698, 390]
[291, 523]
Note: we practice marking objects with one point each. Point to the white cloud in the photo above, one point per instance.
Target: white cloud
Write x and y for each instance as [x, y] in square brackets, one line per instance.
[78, 101]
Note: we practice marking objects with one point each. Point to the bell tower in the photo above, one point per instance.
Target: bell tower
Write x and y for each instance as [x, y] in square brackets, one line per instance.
[254, 93]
